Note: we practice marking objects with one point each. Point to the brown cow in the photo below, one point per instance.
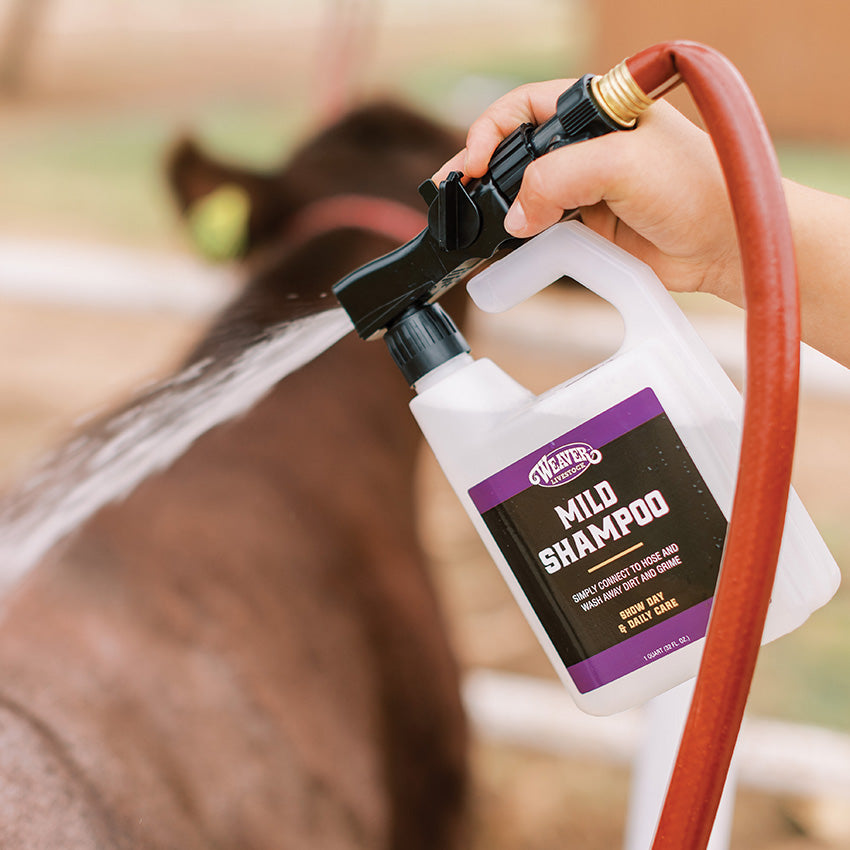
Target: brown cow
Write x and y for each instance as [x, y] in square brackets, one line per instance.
[247, 651]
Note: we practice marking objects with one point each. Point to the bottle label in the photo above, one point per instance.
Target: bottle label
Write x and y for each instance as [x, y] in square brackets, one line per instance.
[614, 538]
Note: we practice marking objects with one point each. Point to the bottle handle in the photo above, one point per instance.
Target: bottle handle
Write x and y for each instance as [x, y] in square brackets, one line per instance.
[570, 248]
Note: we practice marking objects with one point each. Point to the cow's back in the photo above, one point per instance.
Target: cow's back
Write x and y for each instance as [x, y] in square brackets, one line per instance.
[247, 651]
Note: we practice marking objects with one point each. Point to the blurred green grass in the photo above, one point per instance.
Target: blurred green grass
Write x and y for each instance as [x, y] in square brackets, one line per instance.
[97, 173]
[825, 167]
[100, 176]
[802, 677]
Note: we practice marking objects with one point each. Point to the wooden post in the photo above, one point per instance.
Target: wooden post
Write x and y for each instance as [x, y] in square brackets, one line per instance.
[24, 20]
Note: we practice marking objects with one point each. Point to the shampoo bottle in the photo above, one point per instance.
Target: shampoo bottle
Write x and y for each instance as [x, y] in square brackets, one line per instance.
[604, 501]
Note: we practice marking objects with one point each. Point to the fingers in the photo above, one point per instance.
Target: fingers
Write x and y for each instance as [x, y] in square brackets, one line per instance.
[638, 174]
[456, 163]
[656, 191]
[575, 176]
[533, 103]
[649, 186]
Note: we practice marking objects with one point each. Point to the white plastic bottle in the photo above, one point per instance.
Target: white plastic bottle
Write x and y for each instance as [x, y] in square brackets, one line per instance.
[604, 501]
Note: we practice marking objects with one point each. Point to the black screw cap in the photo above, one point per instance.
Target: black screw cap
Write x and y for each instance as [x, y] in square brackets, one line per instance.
[422, 339]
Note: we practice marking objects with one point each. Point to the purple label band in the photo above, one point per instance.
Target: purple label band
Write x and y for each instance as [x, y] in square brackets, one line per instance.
[640, 650]
[596, 432]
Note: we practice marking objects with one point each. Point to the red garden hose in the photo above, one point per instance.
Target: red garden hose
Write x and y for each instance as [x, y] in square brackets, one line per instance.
[770, 415]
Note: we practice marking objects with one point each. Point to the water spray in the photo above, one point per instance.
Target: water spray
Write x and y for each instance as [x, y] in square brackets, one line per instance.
[552, 484]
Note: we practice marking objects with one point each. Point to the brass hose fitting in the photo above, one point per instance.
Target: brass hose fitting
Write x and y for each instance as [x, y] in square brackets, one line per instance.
[620, 96]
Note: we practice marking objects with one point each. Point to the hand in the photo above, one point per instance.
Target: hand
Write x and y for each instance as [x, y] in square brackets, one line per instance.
[656, 191]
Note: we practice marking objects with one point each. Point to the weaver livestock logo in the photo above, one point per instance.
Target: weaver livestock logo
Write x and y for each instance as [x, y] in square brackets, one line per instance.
[563, 464]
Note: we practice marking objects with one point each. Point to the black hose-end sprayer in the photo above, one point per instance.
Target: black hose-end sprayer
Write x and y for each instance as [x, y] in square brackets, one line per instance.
[392, 296]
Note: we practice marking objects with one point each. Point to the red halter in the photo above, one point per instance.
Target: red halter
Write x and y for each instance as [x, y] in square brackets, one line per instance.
[393, 219]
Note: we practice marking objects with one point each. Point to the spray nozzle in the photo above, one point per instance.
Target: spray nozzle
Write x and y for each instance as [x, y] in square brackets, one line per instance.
[465, 221]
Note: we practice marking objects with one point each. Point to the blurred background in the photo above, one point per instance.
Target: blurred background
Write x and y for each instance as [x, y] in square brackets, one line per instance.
[101, 290]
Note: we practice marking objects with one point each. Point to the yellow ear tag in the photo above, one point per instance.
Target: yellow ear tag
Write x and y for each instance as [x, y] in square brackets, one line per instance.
[218, 222]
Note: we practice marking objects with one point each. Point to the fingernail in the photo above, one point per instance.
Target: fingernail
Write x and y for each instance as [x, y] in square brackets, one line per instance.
[515, 220]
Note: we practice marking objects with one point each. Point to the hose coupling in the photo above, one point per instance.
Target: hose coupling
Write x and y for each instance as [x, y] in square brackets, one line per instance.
[620, 96]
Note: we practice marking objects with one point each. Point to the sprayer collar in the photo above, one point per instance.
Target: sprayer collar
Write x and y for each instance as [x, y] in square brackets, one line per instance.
[423, 338]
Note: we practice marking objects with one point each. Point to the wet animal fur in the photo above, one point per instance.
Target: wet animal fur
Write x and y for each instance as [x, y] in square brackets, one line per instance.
[247, 652]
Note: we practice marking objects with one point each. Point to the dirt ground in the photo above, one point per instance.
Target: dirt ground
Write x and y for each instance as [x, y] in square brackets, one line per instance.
[59, 364]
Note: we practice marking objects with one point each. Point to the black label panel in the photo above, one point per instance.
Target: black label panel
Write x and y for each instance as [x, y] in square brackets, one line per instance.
[614, 538]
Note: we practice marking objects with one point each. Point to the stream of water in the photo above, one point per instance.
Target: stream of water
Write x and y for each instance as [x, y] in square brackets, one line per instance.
[110, 459]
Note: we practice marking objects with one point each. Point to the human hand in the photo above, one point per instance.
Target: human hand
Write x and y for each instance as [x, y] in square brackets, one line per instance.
[656, 191]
